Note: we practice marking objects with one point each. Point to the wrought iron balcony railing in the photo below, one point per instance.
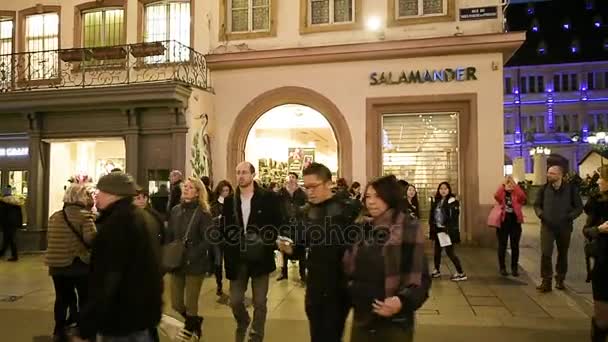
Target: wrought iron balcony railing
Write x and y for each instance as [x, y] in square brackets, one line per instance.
[103, 66]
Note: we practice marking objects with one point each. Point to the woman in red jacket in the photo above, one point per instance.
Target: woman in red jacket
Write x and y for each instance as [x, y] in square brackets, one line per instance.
[511, 198]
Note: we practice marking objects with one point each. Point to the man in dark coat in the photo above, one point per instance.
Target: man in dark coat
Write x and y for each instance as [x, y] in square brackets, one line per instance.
[557, 205]
[326, 219]
[175, 191]
[293, 198]
[11, 220]
[251, 219]
[126, 283]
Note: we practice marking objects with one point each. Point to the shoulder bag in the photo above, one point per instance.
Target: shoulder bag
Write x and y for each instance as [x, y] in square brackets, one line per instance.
[83, 259]
[173, 252]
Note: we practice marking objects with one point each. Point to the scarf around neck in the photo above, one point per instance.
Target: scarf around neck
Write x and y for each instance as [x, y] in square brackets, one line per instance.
[403, 252]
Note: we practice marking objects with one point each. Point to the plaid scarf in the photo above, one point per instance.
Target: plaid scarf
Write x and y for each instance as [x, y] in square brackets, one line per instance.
[403, 252]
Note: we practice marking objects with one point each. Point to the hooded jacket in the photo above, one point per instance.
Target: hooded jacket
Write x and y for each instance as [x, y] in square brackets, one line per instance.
[10, 212]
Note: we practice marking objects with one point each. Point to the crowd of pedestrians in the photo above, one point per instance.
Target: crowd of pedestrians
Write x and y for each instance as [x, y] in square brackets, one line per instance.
[357, 248]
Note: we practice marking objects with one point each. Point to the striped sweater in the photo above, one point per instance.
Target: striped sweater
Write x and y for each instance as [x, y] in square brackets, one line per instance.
[63, 246]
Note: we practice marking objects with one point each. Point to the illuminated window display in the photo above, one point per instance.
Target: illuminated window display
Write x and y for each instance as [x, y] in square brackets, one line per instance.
[423, 149]
[90, 158]
[287, 138]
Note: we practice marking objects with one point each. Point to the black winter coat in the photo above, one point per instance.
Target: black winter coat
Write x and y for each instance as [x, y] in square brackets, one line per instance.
[451, 214]
[265, 219]
[126, 282]
[10, 213]
[198, 245]
[597, 213]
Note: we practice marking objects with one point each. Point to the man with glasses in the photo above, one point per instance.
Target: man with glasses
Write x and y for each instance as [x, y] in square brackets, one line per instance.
[326, 219]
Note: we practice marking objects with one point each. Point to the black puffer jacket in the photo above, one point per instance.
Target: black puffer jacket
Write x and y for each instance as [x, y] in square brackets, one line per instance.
[450, 208]
[10, 213]
[198, 246]
[126, 281]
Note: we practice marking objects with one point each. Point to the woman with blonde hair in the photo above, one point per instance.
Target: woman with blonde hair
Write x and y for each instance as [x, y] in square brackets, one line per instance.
[70, 234]
[511, 199]
[190, 222]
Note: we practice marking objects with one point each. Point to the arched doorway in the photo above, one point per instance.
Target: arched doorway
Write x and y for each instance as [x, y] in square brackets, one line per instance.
[265, 102]
[286, 139]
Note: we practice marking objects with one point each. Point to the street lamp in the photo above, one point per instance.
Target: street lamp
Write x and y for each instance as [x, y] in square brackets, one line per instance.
[540, 150]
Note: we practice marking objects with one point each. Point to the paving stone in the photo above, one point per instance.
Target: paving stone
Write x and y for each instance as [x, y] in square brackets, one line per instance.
[485, 301]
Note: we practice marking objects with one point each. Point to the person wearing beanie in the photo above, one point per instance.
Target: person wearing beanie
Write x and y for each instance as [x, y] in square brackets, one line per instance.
[125, 296]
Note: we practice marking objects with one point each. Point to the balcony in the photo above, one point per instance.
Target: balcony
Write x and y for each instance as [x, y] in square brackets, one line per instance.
[103, 66]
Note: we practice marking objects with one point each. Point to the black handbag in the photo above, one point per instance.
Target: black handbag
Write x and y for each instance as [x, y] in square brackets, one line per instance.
[174, 252]
[253, 247]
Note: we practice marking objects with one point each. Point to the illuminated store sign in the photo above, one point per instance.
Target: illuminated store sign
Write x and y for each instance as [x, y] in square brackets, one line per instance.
[14, 152]
[423, 76]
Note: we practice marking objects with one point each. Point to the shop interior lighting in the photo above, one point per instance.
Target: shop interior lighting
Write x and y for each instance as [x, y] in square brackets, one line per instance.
[373, 23]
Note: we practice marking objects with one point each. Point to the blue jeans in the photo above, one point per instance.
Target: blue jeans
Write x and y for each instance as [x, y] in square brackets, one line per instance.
[141, 336]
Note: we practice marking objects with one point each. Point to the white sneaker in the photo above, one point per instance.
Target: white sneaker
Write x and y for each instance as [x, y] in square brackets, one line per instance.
[459, 277]
[436, 274]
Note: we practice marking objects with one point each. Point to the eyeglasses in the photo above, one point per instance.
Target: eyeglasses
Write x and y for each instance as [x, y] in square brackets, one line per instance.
[312, 187]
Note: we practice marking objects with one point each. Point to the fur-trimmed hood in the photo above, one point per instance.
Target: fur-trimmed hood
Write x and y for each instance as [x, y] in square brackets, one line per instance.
[12, 200]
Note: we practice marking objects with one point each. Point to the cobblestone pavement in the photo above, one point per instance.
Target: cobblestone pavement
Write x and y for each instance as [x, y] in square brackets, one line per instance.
[485, 307]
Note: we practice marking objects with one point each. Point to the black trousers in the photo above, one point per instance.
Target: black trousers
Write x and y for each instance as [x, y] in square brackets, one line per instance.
[217, 266]
[326, 316]
[69, 290]
[9, 239]
[301, 265]
[510, 230]
[449, 250]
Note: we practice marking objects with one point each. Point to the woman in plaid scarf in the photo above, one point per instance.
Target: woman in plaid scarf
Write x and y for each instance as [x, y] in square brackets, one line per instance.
[387, 270]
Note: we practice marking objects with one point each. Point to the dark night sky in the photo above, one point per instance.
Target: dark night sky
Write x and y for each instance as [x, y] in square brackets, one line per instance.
[551, 16]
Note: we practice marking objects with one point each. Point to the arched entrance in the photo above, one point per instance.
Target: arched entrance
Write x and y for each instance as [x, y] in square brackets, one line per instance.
[246, 119]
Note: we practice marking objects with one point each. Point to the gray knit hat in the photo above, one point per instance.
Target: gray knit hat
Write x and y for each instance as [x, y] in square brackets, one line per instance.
[117, 183]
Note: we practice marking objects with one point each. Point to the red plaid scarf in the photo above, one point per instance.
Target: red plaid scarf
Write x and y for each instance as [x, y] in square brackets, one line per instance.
[403, 252]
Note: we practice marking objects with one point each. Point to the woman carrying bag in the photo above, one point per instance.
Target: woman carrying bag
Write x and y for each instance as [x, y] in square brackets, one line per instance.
[189, 226]
[510, 199]
[70, 234]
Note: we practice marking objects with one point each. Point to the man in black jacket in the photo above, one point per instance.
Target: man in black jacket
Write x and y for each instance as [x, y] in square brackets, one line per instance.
[558, 204]
[251, 219]
[175, 192]
[293, 198]
[11, 219]
[326, 219]
[126, 283]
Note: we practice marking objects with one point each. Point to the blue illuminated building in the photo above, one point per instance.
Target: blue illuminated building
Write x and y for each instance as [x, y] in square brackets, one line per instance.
[556, 85]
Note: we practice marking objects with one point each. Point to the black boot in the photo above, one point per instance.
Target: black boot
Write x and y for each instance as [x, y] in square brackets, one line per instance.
[545, 286]
[598, 334]
[189, 328]
[197, 326]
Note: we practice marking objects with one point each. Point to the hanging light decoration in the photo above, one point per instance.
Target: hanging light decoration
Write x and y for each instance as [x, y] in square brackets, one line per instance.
[597, 21]
[542, 48]
[575, 46]
[566, 25]
[535, 25]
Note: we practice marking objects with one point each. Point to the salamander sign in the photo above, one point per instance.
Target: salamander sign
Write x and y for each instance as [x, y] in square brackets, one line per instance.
[423, 76]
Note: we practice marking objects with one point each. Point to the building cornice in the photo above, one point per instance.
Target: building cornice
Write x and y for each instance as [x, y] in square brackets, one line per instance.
[505, 43]
[134, 95]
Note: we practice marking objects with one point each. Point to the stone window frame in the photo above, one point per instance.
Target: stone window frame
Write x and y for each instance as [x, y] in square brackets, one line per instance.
[225, 33]
[141, 20]
[94, 5]
[21, 39]
[306, 27]
[393, 20]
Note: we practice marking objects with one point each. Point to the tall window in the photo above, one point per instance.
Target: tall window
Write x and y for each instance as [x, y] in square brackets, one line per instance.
[169, 20]
[6, 35]
[330, 11]
[419, 8]
[42, 41]
[103, 27]
[508, 85]
[248, 15]
[6, 49]
[565, 82]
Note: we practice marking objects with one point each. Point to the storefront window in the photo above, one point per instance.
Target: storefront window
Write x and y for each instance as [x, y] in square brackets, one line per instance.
[18, 182]
[286, 139]
[423, 150]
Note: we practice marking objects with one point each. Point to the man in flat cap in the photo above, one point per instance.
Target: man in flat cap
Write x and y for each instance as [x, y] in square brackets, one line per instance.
[126, 282]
